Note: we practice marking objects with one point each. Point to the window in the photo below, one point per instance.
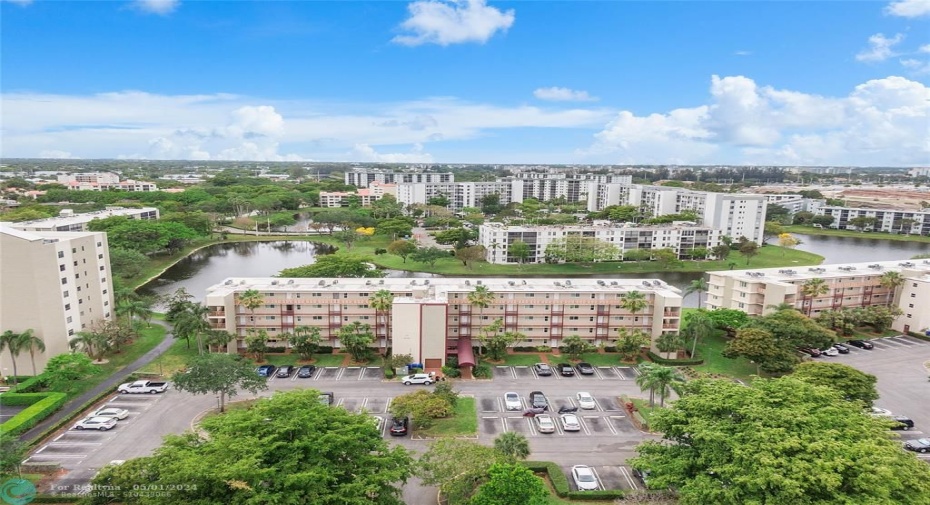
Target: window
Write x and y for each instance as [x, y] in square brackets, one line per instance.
[572, 318]
[70, 319]
[64, 280]
[101, 268]
[67, 306]
[99, 244]
[66, 294]
[77, 276]
[70, 332]
[61, 254]
[104, 291]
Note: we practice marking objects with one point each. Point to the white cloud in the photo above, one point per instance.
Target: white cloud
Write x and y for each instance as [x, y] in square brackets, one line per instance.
[908, 8]
[916, 66]
[924, 48]
[880, 48]
[881, 122]
[56, 155]
[743, 53]
[416, 155]
[160, 7]
[557, 94]
[453, 22]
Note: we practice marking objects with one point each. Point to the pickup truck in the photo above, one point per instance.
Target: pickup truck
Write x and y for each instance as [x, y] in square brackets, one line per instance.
[143, 387]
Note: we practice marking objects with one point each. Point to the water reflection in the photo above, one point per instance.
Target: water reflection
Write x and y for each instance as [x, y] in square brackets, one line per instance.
[855, 249]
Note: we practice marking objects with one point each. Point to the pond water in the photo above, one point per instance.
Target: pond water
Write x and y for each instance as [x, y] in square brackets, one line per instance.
[211, 265]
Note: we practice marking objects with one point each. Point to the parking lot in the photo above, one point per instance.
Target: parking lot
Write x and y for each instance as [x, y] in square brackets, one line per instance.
[612, 373]
[336, 373]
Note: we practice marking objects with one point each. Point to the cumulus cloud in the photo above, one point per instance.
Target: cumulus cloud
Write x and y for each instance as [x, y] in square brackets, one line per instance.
[453, 22]
[556, 94]
[880, 47]
[881, 122]
[159, 7]
[908, 8]
[55, 154]
[415, 155]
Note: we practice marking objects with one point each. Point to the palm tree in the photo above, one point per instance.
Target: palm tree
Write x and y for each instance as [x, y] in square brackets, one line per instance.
[382, 301]
[663, 379]
[12, 342]
[697, 286]
[512, 445]
[698, 326]
[892, 281]
[32, 343]
[251, 299]
[138, 308]
[93, 344]
[645, 381]
[217, 338]
[481, 297]
[811, 289]
[193, 323]
[634, 302]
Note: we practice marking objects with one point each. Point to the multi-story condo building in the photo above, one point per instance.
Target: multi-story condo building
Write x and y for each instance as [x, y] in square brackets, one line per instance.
[362, 177]
[886, 220]
[756, 292]
[375, 191]
[460, 194]
[55, 284]
[919, 172]
[681, 237]
[795, 203]
[572, 187]
[432, 319]
[69, 221]
[103, 181]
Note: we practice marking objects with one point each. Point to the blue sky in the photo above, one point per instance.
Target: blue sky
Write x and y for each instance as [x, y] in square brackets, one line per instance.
[747, 82]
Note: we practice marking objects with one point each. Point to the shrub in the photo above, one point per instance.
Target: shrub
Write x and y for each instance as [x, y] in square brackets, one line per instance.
[324, 349]
[31, 415]
[600, 495]
[482, 371]
[674, 362]
[444, 390]
[276, 350]
[551, 471]
[525, 349]
[543, 348]
[449, 371]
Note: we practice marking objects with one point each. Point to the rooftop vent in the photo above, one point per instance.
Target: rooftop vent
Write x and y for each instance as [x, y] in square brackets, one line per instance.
[614, 283]
[426, 282]
[467, 282]
[335, 281]
[906, 264]
[291, 281]
[368, 282]
[875, 266]
[228, 282]
[568, 283]
[557, 283]
[601, 283]
[274, 283]
[478, 282]
[413, 282]
[381, 282]
[646, 283]
[656, 283]
[322, 283]
[511, 283]
[242, 282]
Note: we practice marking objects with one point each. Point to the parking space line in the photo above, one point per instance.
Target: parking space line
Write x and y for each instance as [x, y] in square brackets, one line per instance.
[513, 370]
[584, 425]
[294, 376]
[340, 373]
[613, 372]
[340, 401]
[902, 341]
[598, 374]
[628, 477]
[600, 484]
[610, 426]
[364, 405]
[887, 340]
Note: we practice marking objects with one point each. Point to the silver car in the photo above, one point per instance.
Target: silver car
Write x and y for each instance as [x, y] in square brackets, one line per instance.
[584, 478]
[570, 422]
[119, 414]
[512, 401]
[544, 423]
[96, 423]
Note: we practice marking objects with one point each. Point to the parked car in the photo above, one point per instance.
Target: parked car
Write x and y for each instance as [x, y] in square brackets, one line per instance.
[565, 369]
[878, 411]
[843, 349]
[586, 401]
[399, 426]
[327, 398]
[814, 353]
[585, 368]
[542, 369]
[285, 371]
[829, 351]
[417, 378]
[643, 476]
[96, 423]
[265, 370]
[512, 401]
[919, 445]
[538, 400]
[584, 478]
[378, 421]
[861, 344]
[570, 422]
[544, 423]
[902, 423]
[143, 387]
[306, 371]
[119, 414]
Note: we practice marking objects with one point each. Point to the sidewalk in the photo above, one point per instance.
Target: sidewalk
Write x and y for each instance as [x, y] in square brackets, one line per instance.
[109, 384]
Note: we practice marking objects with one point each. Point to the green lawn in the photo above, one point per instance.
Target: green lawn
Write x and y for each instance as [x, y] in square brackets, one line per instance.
[645, 410]
[807, 230]
[294, 359]
[711, 350]
[601, 359]
[517, 360]
[867, 333]
[173, 360]
[464, 421]
[149, 338]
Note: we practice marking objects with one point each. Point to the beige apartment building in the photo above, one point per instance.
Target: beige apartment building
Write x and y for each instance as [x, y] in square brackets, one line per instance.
[757, 291]
[54, 283]
[366, 196]
[437, 319]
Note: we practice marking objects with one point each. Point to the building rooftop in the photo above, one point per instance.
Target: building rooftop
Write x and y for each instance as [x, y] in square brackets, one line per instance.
[85, 217]
[601, 225]
[922, 267]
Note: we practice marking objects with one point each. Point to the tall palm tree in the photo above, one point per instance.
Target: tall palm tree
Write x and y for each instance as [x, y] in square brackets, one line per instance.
[481, 297]
[251, 299]
[193, 323]
[645, 381]
[666, 380]
[12, 342]
[811, 289]
[697, 286]
[892, 281]
[382, 301]
[513, 445]
[634, 302]
[91, 343]
[32, 343]
[138, 308]
[698, 325]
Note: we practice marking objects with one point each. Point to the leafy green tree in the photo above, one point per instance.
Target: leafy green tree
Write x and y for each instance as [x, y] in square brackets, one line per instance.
[423, 406]
[305, 341]
[749, 249]
[402, 248]
[29, 341]
[728, 320]
[512, 484]
[520, 250]
[491, 204]
[94, 344]
[127, 263]
[697, 325]
[811, 290]
[428, 255]
[633, 302]
[288, 448]
[256, 343]
[396, 227]
[14, 343]
[457, 467]
[12, 453]
[63, 371]
[469, 255]
[514, 446]
[251, 299]
[438, 200]
[879, 317]
[850, 383]
[705, 457]
[458, 237]
[575, 346]
[355, 339]
[763, 349]
[671, 342]
[720, 251]
[334, 265]
[217, 339]
[770, 230]
[387, 208]
[666, 258]
[219, 374]
[347, 237]
[661, 379]
[792, 329]
[892, 281]
[630, 342]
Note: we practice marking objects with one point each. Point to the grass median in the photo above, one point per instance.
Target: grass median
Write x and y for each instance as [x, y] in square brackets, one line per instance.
[463, 423]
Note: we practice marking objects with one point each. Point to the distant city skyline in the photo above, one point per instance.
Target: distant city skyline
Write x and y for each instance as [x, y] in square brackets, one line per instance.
[470, 81]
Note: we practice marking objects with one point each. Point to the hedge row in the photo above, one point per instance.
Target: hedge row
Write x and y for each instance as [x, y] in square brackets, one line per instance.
[323, 349]
[674, 362]
[30, 416]
[21, 399]
[560, 483]
[921, 336]
[29, 385]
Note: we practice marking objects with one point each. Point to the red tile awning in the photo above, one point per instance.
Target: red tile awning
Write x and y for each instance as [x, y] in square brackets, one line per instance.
[466, 354]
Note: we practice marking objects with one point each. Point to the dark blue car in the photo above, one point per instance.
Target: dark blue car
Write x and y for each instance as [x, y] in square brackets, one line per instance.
[265, 370]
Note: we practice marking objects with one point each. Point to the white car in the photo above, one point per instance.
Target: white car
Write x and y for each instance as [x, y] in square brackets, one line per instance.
[570, 422]
[417, 378]
[119, 414]
[512, 401]
[586, 401]
[584, 478]
[544, 423]
[830, 351]
[878, 411]
[96, 423]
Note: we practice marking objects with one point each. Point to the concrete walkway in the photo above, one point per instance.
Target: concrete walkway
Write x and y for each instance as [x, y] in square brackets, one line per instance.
[109, 384]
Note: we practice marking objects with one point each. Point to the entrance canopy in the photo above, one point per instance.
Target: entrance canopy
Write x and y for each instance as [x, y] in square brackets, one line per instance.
[466, 354]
